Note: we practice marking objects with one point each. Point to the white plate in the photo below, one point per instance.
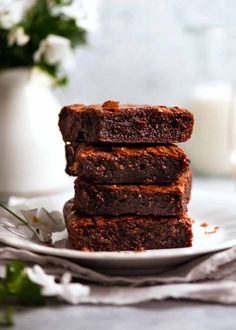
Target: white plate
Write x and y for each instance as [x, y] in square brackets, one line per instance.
[216, 209]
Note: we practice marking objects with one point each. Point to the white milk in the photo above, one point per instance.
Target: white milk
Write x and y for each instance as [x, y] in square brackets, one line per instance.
[208, 148]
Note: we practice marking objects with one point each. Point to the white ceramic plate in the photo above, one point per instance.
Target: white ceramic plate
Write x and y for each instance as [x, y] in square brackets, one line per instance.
[216, 209]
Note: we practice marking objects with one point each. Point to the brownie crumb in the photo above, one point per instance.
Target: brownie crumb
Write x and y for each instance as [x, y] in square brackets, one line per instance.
[204, 224]
[213, 231]
[111, 105]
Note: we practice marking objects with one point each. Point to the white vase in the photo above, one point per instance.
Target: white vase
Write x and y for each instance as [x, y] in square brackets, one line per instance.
[32, 157]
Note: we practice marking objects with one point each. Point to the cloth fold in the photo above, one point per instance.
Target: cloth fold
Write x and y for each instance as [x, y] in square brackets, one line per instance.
[210, 278]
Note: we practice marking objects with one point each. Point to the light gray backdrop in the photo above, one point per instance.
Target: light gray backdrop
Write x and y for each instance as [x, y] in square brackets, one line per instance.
[141, 52]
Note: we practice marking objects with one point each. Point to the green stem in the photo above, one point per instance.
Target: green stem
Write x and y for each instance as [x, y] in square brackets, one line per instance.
[13, 213]
[16, 216]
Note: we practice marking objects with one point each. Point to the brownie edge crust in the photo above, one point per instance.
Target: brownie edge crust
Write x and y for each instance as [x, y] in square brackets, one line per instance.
[167, 200]
[125, 123]
[135, 164]
[126, 233]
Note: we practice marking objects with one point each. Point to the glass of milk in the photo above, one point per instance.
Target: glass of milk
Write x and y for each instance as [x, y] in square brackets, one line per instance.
[208, 148]
[211, 26]
[211, 102]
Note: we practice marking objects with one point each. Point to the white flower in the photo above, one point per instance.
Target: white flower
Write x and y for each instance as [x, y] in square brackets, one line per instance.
[6, 21]
[17, 36]
[12, 11]
[90, 20]
[37, 275]
[70, 292]
[85, 12]
[45, 222]
[54, 49]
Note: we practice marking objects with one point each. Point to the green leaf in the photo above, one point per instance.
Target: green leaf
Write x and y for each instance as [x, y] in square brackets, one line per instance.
[62, 2]
[59, 78]
[13, 278]
[38, 22]
[18, 287]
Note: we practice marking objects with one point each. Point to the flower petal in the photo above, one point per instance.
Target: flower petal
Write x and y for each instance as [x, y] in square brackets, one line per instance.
[55, 49]
[70, 292]
[30, 216]
[58, 220]
[17, 36]
[51, 220]
[73, 292]
[45, 222]
[37, 275]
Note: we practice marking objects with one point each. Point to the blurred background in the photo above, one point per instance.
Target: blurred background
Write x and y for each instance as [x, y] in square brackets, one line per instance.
[170, 52]
[139, 53]
[144, 51]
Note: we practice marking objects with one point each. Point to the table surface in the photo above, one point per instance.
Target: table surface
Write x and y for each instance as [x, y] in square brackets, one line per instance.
[171, 315]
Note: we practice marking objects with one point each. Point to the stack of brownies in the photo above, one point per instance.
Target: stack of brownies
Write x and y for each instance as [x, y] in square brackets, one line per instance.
[133, 183]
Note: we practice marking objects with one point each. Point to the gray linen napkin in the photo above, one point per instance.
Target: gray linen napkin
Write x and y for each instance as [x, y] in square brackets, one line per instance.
[211, 278]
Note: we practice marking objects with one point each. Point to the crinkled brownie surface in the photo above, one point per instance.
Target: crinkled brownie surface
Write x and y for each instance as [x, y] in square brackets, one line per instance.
[104, 233]
[113, 122]
[160, 200]
[135, 164]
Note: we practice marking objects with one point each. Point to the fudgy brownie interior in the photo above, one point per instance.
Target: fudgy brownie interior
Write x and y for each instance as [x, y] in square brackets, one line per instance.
[104, 233]
[168, 200]
[127, 123]
[135, 164]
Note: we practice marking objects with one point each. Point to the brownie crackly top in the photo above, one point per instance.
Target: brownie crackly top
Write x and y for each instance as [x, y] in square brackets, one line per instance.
[127, 123]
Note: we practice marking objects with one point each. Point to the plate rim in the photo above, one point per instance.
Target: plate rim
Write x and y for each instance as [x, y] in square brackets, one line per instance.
[123, 255]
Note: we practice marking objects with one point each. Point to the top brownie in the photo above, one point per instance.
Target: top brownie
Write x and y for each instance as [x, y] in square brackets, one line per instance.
[116, 123]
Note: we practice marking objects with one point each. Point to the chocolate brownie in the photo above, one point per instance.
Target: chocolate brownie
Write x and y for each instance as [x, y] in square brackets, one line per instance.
[115, 123]
[129, 165]
[104, 233]
[169, 200]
